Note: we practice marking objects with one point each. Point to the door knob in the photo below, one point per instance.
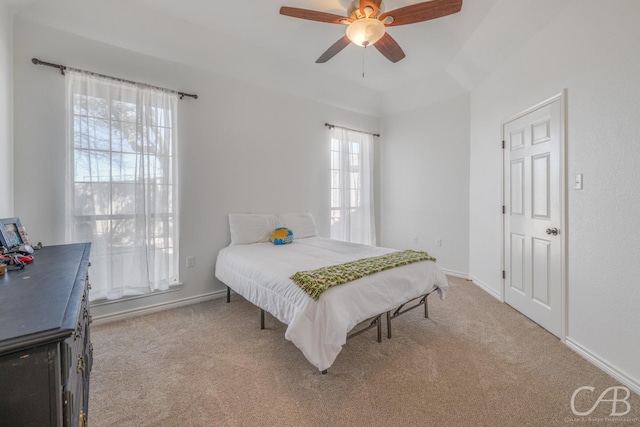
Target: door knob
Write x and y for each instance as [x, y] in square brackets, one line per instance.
[553, 231]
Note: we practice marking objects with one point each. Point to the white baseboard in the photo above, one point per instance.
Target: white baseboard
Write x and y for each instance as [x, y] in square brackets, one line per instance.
[604, 365]
[456, 274]
[487, 289]
[124, 314]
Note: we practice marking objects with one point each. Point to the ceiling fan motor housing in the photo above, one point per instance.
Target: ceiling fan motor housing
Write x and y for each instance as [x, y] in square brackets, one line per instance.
[354, 12]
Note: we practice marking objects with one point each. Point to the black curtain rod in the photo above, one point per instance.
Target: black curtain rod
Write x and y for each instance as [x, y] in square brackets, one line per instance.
[330, 126]
[63, 67]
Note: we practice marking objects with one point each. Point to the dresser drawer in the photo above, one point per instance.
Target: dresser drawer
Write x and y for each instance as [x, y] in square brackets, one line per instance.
[75, 409]
[76, 364]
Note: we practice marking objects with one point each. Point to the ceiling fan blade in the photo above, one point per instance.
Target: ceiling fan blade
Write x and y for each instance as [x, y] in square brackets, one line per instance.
[333, 50]
[390, 48]
[313, 15]
[422, 12]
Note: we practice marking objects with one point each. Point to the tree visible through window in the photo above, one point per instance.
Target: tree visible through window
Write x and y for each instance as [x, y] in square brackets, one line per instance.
[352, 186]
[122, 191]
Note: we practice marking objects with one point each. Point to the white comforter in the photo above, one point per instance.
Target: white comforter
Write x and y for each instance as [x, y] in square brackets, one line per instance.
[260, 273]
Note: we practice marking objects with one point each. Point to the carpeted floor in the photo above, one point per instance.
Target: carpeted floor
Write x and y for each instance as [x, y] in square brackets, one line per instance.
[474, 362]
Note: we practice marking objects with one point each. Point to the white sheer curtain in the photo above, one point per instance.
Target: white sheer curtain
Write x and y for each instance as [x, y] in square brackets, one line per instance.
[122, 183]
[352, 207]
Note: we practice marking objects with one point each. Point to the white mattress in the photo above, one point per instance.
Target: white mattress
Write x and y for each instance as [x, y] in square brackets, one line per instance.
[260, 273]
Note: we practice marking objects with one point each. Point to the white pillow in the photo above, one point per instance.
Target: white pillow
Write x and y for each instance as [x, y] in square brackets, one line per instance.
[302, 224]
[251, 228]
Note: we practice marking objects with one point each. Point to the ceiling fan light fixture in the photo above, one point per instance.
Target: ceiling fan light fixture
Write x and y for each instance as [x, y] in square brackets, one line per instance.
[365, 32]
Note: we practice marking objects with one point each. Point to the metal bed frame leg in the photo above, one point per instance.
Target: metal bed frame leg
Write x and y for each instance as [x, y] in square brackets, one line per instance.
[423, 301]
[261, 310]
[377, 322]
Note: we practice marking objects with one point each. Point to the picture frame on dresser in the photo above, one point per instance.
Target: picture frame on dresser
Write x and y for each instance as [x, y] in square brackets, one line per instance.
[10, 235]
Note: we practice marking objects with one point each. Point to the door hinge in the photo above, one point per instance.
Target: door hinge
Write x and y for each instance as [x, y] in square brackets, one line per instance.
[504, 209]
[504, 274]
[503, 144]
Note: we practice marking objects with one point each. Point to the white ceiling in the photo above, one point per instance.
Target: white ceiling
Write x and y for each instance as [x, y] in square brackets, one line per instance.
[250, 40]
[429, 46]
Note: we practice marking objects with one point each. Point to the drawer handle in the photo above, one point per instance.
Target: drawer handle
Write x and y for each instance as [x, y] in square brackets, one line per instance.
[80, 364]
[86, 315]
[78, 332]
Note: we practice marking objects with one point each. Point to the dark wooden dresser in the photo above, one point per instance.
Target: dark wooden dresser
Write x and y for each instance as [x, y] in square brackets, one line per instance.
[45, 348]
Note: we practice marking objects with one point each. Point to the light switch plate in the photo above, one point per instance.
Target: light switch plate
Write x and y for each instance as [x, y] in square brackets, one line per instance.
[578, 182]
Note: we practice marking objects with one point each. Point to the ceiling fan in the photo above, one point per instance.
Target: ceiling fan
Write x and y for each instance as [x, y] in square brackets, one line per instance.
[366, 22]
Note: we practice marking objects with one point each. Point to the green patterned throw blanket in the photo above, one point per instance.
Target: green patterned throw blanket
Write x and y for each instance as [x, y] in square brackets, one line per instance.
[315, 282]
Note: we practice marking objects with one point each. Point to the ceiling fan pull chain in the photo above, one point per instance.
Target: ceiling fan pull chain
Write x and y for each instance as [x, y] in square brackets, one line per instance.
[365, 48]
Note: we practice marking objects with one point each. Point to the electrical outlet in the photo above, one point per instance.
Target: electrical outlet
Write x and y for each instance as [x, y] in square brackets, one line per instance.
[191, 261]
[439, 242]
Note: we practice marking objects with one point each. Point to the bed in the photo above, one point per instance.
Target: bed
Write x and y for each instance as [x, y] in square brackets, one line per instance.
[260, 271]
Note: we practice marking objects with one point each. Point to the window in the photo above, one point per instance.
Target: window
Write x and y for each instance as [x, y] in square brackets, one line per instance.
[122, 191]
[352, 205]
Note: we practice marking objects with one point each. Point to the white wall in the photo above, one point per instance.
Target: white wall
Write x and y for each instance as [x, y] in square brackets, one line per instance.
[591, 51]
[242, 147]
[6, 112]
[424, 185]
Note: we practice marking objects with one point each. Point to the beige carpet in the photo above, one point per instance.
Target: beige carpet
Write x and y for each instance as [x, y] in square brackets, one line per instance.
[474, 362]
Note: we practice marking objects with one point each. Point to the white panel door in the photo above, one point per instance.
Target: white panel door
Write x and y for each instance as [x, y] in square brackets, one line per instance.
[533, 240]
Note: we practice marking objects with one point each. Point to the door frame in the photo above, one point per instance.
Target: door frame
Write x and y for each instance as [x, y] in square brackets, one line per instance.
[562, 97]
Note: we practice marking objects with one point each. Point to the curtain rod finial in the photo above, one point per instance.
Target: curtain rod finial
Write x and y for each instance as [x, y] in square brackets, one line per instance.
[35, 61]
